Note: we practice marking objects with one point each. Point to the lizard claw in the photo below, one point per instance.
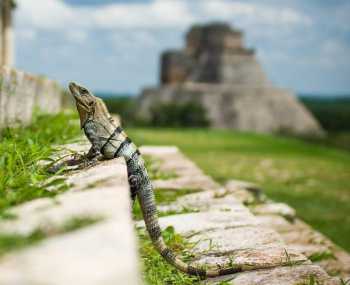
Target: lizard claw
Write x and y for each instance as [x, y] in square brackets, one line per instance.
[87, 163]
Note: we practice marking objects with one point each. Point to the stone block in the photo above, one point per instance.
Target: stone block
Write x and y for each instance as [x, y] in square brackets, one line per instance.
[21, 93]
[227, 240]
[294, 275]
[188, 224]
[253, 259]
[274, 209]
[101, 253]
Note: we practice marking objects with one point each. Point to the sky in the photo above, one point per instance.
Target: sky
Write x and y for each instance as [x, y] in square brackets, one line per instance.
[114, 46]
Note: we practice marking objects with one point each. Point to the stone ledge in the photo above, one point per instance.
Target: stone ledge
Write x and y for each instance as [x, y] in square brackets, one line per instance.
[103, 253]
[297, 234]
[100, 254]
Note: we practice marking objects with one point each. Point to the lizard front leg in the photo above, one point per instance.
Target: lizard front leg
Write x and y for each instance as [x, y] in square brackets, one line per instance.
[94, 155]
[76, 160]
[92, 158]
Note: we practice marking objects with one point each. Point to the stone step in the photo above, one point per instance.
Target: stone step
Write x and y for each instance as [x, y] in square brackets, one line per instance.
[226, 233]
[188, 174]
[297, 234]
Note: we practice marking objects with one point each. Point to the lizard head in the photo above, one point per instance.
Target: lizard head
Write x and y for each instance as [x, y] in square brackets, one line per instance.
[85, 101]
[90, 107]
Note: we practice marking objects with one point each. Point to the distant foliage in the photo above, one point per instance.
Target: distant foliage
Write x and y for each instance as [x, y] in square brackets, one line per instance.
[333, 114]
[190, 114]
[124, 106]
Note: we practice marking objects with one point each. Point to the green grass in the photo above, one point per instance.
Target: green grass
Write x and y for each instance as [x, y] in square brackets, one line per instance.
[156, 270]
[339, 140]
[21, 178]
[319, 256]
[313, 179]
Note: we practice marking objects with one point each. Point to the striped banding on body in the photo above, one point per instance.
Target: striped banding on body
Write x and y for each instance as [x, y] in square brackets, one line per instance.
[155, 232]
[122, 147]
[116, 132]
[196, 271]
[231, 270]
[133, 156]
[168, 254]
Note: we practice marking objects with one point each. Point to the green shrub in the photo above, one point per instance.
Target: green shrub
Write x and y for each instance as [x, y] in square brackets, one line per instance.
[124, 106]
[21, 176]
[190, 114]
[332, 113]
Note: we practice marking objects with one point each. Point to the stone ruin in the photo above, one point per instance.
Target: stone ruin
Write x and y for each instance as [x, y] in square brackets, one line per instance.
[218, 72]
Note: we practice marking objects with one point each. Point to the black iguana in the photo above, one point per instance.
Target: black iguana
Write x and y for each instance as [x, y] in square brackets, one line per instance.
[109, 141]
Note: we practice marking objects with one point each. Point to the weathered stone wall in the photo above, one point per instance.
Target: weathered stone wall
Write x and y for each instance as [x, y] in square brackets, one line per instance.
[216, 36]
[21, 93]
[214, 53]
[241, 107]
[176, 67]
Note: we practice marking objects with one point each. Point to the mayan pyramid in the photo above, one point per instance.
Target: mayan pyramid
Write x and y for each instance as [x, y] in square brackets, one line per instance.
[217, 71]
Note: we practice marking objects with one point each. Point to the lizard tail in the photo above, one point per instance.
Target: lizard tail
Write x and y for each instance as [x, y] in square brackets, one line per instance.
[148, 206]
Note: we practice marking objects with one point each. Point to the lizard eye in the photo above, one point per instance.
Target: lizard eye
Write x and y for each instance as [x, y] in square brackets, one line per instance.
[83, 91]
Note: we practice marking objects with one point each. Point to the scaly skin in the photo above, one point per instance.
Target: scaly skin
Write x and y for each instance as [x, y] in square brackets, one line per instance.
[109, 141]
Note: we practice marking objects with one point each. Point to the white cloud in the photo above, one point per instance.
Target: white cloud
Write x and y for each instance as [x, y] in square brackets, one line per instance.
[44, 14]
[57, 15]
[334, 53]
[76, 36]
[253, 13]
[159, 13]
[75, 22]
[121, 34]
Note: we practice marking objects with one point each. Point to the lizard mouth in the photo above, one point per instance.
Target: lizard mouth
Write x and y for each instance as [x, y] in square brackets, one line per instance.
[74, 89]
